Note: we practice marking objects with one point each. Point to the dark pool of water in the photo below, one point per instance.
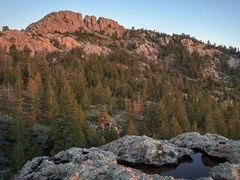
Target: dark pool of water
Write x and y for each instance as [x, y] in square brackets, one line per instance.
[191, 167]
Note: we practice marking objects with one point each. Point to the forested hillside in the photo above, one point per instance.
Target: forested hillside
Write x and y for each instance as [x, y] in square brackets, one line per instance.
[159, 86]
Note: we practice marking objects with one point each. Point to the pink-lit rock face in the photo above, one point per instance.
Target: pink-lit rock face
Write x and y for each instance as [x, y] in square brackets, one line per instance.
[37, 43]
[199, 48]
[49, 34]
[69, 22]
[62, 22]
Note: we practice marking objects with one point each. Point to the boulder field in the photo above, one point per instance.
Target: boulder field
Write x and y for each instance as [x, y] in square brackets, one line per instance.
[102, 162]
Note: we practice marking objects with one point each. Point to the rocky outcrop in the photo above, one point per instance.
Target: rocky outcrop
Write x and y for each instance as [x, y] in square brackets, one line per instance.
[70, 22]
[25, 40]
[91, 23]
[233, 62]
[102, 162]
[148, 49]
[145, 150]
[110, 27]
[77, 163]
[36, 44]
[89, 49]
[212, 144]
[200, 48]
[57, 22]
[226, 171]
[50, 33]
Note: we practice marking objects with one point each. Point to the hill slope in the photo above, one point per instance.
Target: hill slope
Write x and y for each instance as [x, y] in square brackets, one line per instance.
[71, 81]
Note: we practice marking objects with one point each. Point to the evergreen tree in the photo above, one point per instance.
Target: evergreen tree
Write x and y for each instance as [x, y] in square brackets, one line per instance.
[49, 105]
[175, 128]
[209, 124]
[130, 128]
[162, 125]
[181, 115]
[67, 129]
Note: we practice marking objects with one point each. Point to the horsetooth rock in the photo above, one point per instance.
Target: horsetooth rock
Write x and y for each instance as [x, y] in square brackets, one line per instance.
[70, 22]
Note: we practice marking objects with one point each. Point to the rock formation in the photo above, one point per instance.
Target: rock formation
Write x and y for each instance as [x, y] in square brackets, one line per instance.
[36, 44]
[57, 22]
[226, 171]
[61, 31]
[145, 150]
[78, 163]
[70, 22]
[50, 33]
[102, 162]
[212, 144]
[199, 48]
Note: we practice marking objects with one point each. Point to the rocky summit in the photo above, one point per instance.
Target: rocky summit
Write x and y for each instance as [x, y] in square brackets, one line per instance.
[52, 33]
[68, 21]
[102, 162]
[64, 30]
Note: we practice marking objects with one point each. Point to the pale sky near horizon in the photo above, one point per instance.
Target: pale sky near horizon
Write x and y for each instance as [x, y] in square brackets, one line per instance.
[214, 20]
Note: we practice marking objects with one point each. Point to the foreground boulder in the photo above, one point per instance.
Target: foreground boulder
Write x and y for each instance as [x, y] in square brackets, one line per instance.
[102, 162]
[212, 144]
[145, 150]
[226, 171]
[78, 163]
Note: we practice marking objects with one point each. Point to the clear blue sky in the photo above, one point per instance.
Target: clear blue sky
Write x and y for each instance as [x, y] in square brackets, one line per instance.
[214, 20]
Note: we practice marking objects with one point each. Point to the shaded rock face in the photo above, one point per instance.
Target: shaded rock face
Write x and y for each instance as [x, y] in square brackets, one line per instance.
[233, 62]
[212, 144]
[145, 150]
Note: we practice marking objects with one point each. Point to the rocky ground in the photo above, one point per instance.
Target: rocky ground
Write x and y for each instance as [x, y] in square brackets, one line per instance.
[102, 162]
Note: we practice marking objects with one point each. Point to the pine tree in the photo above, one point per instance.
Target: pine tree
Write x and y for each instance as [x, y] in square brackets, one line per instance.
[181, 115]
[67, 129]
[162, 126]
[209, 124]
[33, 99]
[175, 128]
[130, 125]
[49, 105]
[194, 127]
